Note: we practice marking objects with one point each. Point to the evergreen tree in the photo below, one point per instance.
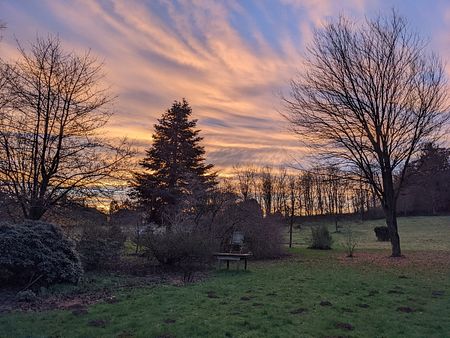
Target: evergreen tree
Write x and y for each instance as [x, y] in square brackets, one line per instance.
[427, 184]
[174, 164]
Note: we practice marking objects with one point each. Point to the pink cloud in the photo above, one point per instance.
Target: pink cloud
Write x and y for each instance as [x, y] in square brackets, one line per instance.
[192, 50]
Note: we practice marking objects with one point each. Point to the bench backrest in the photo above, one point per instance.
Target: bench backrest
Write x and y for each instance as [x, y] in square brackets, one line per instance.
[237, 238]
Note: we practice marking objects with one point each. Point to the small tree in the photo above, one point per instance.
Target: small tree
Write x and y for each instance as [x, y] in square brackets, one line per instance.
[293, 201]
[52, 107]
[350, 242]
[266, 188]
[174, 160]
[370, 98]
[246, 180]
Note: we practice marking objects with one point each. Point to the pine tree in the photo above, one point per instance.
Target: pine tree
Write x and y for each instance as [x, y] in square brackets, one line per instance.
[174, 164]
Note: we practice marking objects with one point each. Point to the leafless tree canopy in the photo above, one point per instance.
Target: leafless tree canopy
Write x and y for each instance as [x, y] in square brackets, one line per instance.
[371, 96]
[52, 106]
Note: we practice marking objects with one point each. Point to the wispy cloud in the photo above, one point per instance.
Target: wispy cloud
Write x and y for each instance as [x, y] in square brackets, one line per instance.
[228, 58]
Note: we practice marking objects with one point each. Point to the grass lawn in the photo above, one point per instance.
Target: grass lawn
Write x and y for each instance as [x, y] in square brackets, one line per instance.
[416, 233]
[310, 294]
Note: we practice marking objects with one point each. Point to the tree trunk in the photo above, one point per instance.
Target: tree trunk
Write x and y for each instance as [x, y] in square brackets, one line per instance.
[36, 212]
[390, 211]
[391, 222]
[291, 224]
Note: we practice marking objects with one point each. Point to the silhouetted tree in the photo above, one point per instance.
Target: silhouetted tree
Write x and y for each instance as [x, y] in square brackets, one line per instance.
[307, 193]
[246, 180]
[51, 110]
[280, 192]
[266, 187]
[334, 189]
[427, 184]
[174, 164]
[294, 200]
[370, 97]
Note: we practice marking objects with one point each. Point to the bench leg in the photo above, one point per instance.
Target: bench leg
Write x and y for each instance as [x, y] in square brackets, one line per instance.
[228, 265]
[245, 260]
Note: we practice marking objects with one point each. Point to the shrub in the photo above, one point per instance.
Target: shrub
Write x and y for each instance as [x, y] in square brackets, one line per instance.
[26, 296]
[100, 246]
[382, 233]
[320, 238]
[350, 242]
[264, 238]
[37, 253]
[188, 242]
[179, 246]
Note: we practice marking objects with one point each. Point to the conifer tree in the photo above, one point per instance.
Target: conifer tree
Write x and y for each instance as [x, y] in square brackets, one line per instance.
[174, 164]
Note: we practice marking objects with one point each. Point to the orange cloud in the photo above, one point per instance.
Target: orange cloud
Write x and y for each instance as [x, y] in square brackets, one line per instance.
[230, 61]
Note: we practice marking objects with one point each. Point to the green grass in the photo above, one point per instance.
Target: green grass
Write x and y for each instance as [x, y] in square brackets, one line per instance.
[274, 299]
[416, 233]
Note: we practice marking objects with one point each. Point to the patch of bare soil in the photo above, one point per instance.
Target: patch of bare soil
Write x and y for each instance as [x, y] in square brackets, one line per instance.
[211, 294]
[344, 326]
[405, 309]
[299, 311]
[98, 323]
[78, 300]
[169, 321]
[436, 260]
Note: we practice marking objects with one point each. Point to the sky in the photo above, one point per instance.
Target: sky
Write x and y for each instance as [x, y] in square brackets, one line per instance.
[232, 60]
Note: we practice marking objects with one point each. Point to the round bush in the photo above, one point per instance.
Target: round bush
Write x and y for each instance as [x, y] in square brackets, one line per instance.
[382, 233]
[320, 238]
[38, 253]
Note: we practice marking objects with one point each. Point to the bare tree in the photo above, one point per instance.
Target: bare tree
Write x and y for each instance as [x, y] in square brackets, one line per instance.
[371, 96]
[334, 188]
[280, 191]
[52, 109]
[266, 187]
[307, 193]
[246, 177]
[293, 202]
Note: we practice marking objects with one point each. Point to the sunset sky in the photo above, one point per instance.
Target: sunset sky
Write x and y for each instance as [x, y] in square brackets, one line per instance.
[230, 59]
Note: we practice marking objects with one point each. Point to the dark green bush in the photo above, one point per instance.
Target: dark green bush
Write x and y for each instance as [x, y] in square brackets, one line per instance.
[320, 238]
[37, 253]
[382, 233]
[101, 246]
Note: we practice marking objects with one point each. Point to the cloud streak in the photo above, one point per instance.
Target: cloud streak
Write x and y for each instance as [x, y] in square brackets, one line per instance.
[230, 59]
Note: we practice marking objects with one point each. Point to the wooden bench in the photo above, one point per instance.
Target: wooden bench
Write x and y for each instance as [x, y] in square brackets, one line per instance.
[229, 256]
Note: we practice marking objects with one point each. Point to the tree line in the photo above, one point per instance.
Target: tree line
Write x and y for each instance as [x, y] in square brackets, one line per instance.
[328, 191]
[322, 190]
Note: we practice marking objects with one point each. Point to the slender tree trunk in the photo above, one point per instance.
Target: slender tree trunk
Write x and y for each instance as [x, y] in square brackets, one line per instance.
[291, 224]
